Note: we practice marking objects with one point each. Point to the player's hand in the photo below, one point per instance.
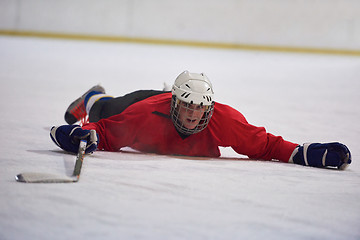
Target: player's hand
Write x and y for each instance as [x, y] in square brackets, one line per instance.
[68, 138]
[322, 155]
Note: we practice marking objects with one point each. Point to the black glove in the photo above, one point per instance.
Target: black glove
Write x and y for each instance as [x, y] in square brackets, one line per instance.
[68, 138]
[322, 155]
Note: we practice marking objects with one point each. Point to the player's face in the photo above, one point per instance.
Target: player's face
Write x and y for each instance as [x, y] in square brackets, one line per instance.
[190, 114]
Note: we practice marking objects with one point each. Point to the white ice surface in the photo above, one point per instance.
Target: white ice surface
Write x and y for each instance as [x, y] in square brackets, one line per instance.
[302, 97]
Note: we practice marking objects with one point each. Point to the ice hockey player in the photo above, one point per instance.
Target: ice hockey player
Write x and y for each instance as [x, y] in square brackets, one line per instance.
[185, 121]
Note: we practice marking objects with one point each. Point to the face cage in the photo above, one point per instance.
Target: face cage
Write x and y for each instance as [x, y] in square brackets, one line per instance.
[174, 112]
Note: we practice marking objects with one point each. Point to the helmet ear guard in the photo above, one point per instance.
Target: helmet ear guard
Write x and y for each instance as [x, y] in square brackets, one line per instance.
[192, 88]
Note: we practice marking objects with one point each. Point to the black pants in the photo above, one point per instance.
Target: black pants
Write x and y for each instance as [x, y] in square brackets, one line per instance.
[114, 106]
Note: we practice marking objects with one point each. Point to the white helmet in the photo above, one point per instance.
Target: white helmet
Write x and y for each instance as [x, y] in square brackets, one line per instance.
[192, 88]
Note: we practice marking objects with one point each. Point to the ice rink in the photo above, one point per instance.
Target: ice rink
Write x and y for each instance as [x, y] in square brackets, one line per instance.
[302, 97]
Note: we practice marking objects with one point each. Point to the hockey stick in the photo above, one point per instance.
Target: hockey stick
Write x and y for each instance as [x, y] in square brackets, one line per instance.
[33, 177]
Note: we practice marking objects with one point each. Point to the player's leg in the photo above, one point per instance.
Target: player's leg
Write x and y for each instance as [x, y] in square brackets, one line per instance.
[77, 109]
[110, 107]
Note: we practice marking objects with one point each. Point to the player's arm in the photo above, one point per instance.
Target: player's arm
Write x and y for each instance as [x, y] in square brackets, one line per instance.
[255, 142]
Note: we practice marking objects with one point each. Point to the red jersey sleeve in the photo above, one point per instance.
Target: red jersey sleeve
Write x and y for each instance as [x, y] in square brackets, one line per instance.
[232, 130]
[117, 131]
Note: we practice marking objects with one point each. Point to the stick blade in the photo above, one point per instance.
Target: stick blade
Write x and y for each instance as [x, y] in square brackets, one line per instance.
[33, 177]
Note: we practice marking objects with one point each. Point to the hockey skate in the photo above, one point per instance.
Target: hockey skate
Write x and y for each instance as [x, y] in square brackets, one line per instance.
[76, 111]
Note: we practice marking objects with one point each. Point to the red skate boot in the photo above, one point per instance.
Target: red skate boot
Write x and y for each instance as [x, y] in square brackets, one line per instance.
[76, 111]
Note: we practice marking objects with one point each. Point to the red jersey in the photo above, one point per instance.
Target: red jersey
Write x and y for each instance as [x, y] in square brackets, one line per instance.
[146, 126]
